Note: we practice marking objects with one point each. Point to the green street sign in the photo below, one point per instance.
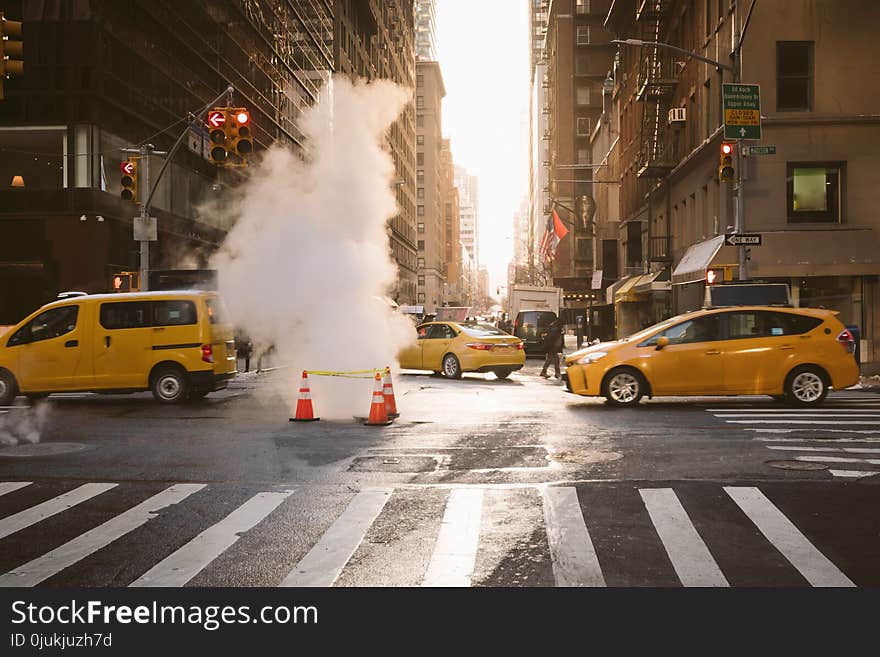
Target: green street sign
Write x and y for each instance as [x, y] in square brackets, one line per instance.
[761, 150]
[742, 111]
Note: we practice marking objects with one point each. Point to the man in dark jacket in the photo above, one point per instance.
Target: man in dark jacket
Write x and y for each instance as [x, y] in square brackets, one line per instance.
[552, 347]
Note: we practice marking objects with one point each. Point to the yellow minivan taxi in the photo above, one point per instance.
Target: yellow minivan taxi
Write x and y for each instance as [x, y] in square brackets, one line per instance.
[176, 344]
[792, 354]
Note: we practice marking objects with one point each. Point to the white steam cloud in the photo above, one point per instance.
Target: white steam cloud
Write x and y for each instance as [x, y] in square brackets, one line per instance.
[307, 264]
[23, 424]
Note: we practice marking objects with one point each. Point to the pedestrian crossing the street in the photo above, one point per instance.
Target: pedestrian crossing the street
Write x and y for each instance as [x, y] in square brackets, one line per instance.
[604, 534]
[837, 434]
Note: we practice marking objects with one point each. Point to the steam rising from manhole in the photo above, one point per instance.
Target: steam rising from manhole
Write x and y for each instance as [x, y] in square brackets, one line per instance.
[796, 465]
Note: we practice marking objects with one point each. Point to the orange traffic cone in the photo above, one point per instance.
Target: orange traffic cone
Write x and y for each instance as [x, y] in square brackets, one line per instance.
[388, 393]
[304, 410]
[378, 415]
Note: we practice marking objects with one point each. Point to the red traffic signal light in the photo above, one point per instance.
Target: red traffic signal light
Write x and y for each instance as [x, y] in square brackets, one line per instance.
[714, 275]
[726, 171]
[129, 180]
[242, 144]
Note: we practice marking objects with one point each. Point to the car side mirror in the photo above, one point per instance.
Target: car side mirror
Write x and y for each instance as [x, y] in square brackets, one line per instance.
[662, 342]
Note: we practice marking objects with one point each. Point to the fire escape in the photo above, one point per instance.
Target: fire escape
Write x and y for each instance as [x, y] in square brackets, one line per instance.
[657, 79]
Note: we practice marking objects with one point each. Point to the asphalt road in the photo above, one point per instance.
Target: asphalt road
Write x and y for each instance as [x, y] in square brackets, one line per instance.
[480, 482]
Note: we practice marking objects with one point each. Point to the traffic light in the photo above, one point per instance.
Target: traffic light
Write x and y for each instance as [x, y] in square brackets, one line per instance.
[238, 123]
[218, 135]
[11, 50]
[125, 281]
[726, 171]
[714, 275]
[129, 180]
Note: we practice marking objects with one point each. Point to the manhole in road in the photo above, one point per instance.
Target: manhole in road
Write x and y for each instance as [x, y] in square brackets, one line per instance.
[796, 465]
[41, 449]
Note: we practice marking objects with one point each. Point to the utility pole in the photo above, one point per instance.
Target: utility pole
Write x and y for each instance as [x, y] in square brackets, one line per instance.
[739, 198]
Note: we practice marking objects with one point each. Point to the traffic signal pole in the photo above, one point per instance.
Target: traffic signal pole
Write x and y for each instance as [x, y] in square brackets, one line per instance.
[144, 172]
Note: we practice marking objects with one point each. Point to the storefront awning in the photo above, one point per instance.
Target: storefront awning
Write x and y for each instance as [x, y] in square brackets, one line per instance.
[692, 267]
[657, 281]
[627, 292]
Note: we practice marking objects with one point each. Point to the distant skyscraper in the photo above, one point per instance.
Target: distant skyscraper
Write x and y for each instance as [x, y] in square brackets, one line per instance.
[426, 49]
[469, 203]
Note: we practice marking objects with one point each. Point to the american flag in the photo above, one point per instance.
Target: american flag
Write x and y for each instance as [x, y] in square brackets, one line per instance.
[553, 235]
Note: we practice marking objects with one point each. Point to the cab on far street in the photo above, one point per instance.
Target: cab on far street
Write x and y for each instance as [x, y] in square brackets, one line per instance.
[456, 347]
[791, 354]
[176, 344]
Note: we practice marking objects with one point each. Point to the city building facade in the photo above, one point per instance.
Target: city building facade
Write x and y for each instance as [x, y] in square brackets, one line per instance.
[809, 198]
[426, 40]
[453, 284]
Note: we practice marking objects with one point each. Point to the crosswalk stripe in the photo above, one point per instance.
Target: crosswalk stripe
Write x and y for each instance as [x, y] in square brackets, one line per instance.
[690, 557]
[837, 459]
[851, 450]
[10, 486]
[834, 422]
[768, 439]
[782, 533]
[41, 568]
[180, 567]
[323, 563]
[794, 416]
[49, 508]
[455, 552]
[853, 474]
[571, 549]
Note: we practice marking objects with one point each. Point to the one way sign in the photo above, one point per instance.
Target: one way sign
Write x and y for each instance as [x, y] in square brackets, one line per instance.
[741, 239]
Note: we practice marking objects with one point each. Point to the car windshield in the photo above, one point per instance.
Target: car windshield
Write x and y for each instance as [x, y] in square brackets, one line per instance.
[481, 330]
[645, 332]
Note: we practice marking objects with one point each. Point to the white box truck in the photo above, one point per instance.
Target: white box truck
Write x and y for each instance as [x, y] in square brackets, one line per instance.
[533, 309]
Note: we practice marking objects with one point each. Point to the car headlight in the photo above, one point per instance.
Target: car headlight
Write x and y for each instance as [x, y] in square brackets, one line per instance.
[591, 358]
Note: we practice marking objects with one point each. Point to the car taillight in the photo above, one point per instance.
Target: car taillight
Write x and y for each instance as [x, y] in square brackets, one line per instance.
[207, 353]
[480, 346]
[520, 345]
[848, 341]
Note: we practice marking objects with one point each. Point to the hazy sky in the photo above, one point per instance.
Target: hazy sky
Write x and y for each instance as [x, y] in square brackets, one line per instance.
[483, 48]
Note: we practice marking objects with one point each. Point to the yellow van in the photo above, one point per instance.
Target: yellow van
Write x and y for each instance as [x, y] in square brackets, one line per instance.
[176, 344]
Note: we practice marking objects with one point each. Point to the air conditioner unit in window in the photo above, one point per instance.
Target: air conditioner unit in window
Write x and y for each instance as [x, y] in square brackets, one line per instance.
[678, 115]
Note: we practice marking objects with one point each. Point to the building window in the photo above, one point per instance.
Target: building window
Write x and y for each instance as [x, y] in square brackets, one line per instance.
[420, 140]
[794, 76]
[420, 102]
[420, 192]
[814, 191]
[420, 263]
[420, 175]
[582, 95]
[583, 127]
[583, 35]
[582, 65]
[421, 228]
[421, 297]
[420, 80]
[420, 211]
[582, 6]
[421, 244]
[420, 120]
[420, 159]
[421, 280]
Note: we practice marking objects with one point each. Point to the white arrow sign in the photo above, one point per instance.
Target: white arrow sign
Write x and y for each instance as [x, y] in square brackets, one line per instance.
[216, 119]
[742, 132]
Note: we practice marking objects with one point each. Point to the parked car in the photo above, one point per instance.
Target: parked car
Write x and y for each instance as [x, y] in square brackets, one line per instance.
[793, 354]
[456, 347]
[531, 326]
[177, 344]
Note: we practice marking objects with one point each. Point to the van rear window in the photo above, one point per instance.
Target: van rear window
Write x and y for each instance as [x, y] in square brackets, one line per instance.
[140, 314]
[216, 311]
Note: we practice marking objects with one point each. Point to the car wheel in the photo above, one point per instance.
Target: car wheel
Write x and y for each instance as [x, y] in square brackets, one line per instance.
[502, 373]
[8, 388]
[623, 387]
[451, 367]
[170, 385]
[806, 386]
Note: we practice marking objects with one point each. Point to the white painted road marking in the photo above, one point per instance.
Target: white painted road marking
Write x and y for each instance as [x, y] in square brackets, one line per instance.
[455, 552]
[797, 415]
[837, 459]
[690, 557]
[852, 474]
[834, 422]
[782, 533]
[855, 450]
[49, 508]
[181, 566]
[571, 549]
[325, 561]
[51, 563]
[10, 486]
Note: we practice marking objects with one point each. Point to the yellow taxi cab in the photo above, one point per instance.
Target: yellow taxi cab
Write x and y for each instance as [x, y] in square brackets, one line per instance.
[795, 354]
[456, 347]
[176, 344]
